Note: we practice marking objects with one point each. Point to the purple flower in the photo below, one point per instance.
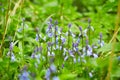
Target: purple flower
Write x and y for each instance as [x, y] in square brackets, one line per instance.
[49, 28]
[49, 44]
[53, 68]
[50, 34]
[69, 25]
[55, 78]
[13, 57]
[65, 58]
[48, 73]
[63, 40]
[50, 20]
[33, 55]
[37, 37]
[75, 46]
[78, 40]
[11, 46]
[56, 28]
[56, 22]
[80, 28]
[71, 53]
[101, 42]
[24, 76]
[89, 50]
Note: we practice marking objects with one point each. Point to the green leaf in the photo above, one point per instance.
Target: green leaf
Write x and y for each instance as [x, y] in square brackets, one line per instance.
[16, 49]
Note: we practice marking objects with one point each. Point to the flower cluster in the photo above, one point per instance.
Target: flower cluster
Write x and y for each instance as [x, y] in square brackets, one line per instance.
[62, 46]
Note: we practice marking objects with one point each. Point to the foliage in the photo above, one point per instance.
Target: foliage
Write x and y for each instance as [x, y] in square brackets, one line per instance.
[59, 40]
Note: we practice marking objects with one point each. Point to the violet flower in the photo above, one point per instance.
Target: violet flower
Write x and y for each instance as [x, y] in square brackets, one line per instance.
[71, 53]
[101, 42]
[25, 74]
[55, 78]
[10, 53]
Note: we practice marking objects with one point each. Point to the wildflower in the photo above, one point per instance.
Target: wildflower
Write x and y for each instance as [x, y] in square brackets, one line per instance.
[89, 50]
[24, 75]
[75, 46]
[53, 54]
[95, 55]
[90, 74]
[71, 53]
[49, 28]
[57, 40]
[63, 40]
[56, 22]
[38, 57]
[69, 25]
[101, 42]
[65, 58]
[48, 53]
[50, 70]
[37, 37]
[53, 68]
[85, 33]
[50, 20]
[10, 53]
[80, 28]
[49, 44]
[50, 34]
[74, 59]
[60, 31]
[55, 78]
[48, 73]
[19, 30]
[78, 40]
[13, 57]
[64, 53]
[11, 46]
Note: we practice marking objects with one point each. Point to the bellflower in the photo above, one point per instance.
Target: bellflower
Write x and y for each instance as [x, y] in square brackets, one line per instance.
[24, 75]
[71, 53]
[101, 42]
[55, 78]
